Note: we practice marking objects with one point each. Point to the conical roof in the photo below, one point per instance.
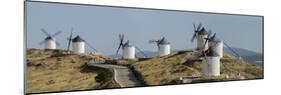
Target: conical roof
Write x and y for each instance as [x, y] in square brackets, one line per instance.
[163, 41]
[214, 39]
[77, 39]
[202, 31]
[49, 38]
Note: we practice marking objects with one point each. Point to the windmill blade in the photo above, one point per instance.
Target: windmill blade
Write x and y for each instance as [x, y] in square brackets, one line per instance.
[205, 42]
[194, 27]
[69, 41]
[207, 51]
[141, 51]
[45, 32]
[208, 37]
[199, 26]
[210, 32]
[158, 45]
[195, 32]
[193, 37]
[162, 39]
[118, 48]
[155, 41]
[88, 44]
[236, 54]
[121, 38]
[57, 33]
[213, 37]
[152, 41]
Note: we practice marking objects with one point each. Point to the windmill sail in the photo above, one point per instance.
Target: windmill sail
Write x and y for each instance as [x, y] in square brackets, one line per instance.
[141, 51]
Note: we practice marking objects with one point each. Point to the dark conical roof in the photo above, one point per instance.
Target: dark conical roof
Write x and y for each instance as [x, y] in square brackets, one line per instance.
[49, 38]
[77, 39]
[214, 39]
[163, 41]
[202, 31]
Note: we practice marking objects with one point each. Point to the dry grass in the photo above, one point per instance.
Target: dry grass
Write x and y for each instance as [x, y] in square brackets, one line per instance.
[49, 72]
[168, 69]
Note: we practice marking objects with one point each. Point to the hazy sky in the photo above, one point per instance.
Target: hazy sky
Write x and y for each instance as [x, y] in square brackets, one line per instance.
[100, 26]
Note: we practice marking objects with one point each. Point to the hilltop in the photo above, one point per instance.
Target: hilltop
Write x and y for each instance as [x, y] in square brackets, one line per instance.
[55, 70]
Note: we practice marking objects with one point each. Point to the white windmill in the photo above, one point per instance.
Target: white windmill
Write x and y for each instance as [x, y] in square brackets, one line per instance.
[78, 44]
[216, 44]
[200, 34]
[50, 41]
[164, 47]
[127, 48]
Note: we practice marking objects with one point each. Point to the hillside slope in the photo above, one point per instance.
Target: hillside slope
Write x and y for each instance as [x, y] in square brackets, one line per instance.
[169, 69]
[55, 70]
[51, 70]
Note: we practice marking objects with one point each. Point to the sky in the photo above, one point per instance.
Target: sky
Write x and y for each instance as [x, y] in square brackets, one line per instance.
[100, 26]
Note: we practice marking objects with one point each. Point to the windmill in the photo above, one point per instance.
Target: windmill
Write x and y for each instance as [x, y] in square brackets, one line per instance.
[163, 46]
[211, 62]
[216, 44]
[127, 48]
[200, 34]
[78, 44]
[50, 41]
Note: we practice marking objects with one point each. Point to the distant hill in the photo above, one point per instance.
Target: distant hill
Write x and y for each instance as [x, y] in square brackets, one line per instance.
[152, 53]
[247, 55]
[140, 55]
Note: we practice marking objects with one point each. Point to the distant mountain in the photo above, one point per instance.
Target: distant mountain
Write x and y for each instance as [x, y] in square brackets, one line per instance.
[247, 55]
[151, 53]
[140, 55]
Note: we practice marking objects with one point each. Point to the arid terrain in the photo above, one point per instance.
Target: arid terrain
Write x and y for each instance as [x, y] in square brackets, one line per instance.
[55, 70]
[49, 71]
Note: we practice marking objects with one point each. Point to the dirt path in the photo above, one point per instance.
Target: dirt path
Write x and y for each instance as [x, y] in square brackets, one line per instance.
[122, 74]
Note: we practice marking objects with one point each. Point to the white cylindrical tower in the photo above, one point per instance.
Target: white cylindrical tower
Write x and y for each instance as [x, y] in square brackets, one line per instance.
[50, 43]
[211, 66]
[129, 52]
[217, 47]
[164, 49]
[78, 45]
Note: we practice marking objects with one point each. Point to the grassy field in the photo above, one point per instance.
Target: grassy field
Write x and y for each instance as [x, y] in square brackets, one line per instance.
[49, 71]
[54, 70]
[169, 69]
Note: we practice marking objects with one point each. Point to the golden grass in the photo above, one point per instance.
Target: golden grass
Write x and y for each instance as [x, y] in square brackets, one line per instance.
[168, 69]
[46, 73]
